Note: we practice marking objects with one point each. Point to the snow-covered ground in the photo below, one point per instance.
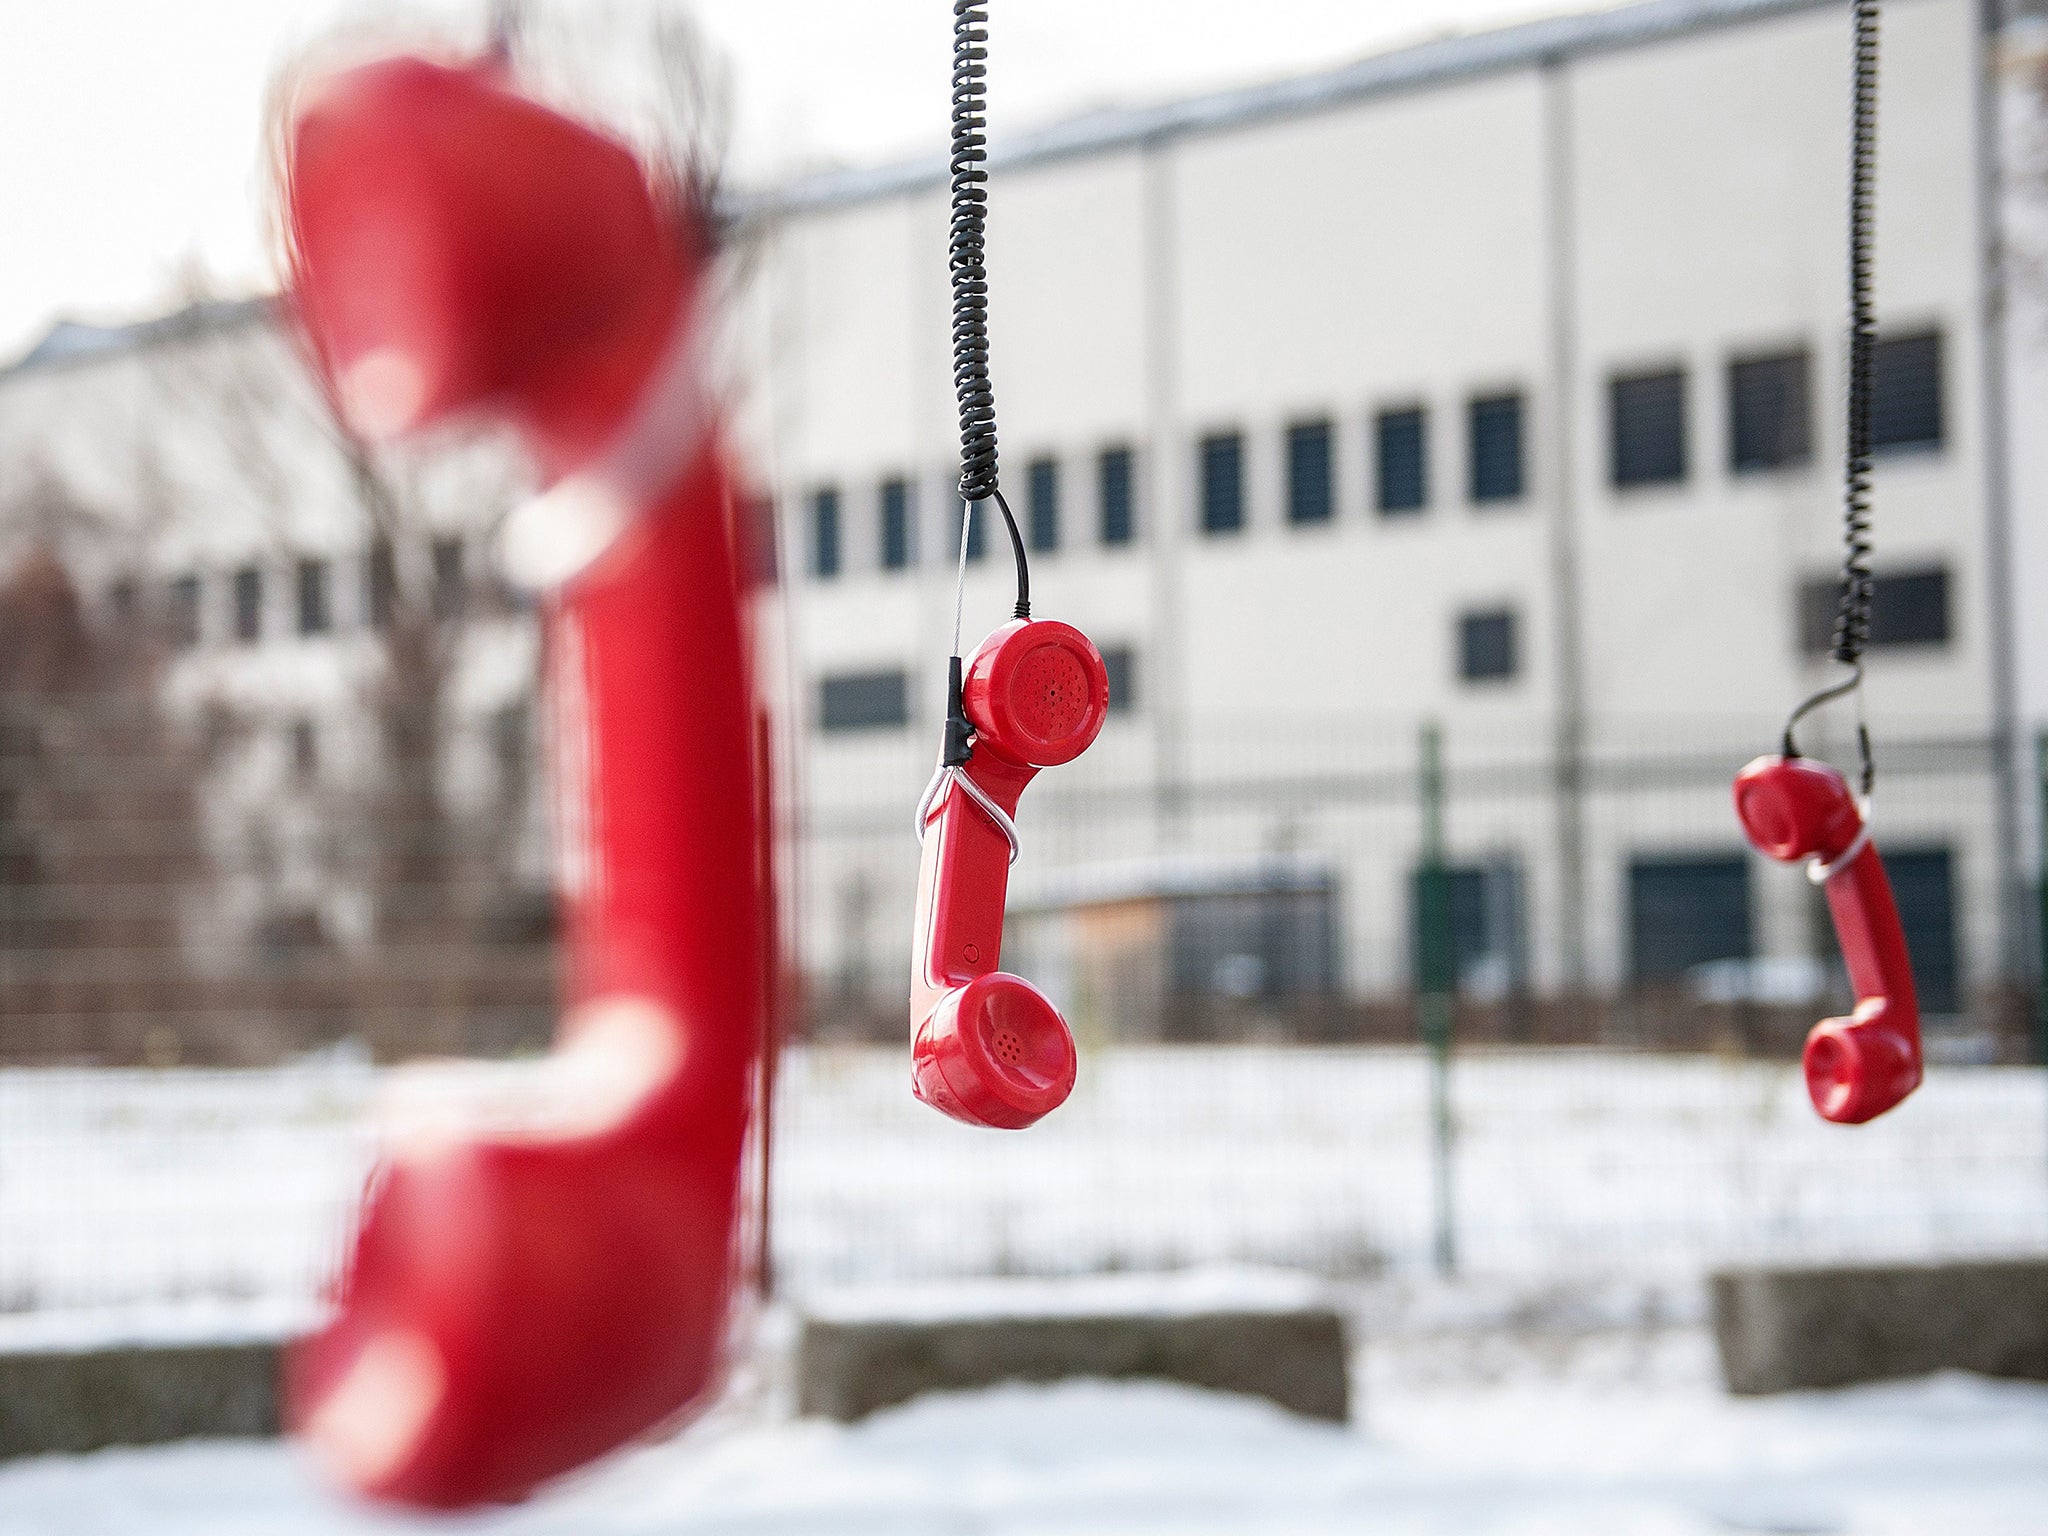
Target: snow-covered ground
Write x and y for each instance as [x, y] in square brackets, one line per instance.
[1564, 1387]
[131, 1190]
[1491, 1434]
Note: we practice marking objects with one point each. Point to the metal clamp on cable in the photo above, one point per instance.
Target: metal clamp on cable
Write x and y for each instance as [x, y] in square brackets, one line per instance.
[1821, 872]
[934, 792]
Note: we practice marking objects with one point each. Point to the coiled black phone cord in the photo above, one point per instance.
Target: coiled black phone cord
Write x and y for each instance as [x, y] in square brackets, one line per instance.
[1852, 618]
[967, 265]
[967, 261]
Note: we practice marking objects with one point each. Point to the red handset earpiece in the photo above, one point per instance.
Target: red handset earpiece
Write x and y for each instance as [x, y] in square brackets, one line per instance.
[988, 1048]
[1794, 808]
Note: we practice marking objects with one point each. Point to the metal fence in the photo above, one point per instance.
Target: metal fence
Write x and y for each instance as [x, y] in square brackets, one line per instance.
[1261, 882]
[1236, 944]
[146, 1190]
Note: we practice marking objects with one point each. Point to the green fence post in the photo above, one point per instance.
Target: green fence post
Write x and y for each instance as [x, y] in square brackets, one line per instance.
[1436, 985]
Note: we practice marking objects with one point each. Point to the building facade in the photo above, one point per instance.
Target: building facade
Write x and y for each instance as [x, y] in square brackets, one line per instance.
[1450, 438]
[1491, 385]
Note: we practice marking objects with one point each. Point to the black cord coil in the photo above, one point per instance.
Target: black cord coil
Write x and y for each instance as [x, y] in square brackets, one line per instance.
[967, 263]
[1852, 622]
[1852, 616]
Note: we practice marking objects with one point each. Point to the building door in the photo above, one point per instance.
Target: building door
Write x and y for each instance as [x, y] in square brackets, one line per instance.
[1488, 949]
[1685, 910]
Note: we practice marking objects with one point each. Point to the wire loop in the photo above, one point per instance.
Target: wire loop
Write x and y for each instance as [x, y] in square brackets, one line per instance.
[945, 777]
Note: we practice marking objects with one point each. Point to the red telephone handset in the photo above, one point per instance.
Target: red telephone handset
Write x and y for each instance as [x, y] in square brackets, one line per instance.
[987, 1047]
[1857, 1067]
[521, 1297]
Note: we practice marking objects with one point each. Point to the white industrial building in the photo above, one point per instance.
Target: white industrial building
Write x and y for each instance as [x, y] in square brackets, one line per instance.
[1491, 385]
[1493, 382]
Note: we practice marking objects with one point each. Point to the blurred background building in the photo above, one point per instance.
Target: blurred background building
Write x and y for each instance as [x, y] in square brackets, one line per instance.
[269, 775]
[1470, 407]
[1446, 441]
[1491, 385]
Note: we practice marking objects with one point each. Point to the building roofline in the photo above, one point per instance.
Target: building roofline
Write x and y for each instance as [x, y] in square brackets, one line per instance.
[74, 343]
[1420, 65]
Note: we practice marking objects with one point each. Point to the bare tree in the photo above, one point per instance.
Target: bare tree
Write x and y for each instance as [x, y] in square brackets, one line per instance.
[100, 830]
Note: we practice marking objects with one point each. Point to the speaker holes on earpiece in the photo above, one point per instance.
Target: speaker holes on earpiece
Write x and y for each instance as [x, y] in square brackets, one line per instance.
[1051, 693]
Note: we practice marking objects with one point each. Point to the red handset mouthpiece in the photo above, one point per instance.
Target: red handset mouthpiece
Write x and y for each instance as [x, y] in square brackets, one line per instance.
[988, 1048]
[1794, 808]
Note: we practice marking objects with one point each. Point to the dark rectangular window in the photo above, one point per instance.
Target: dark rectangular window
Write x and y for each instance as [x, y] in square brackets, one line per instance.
[315, 616]
[1648, 428]
[1042, 477]
[1486, 645]
[1121, 663]
[1685, 910]
[380, 583]
[449, 589]
[1905, 392]
[1276, 940]
[1116, 494]
[1403, 460]
[899, 549]
[1222, 457]
[1906, 608]
[1311, 488]
[1769, 422]
[1494, 426]
[248, 604]
[864, 701]
[825, 533]
[182, 612]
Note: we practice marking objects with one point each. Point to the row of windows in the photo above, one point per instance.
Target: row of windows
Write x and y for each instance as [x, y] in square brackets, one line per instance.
[1400, 444]
[311, 587]
[1770, 427]
[1043, 517]
[1907, 608]
[1494, 474]
[1770, 412]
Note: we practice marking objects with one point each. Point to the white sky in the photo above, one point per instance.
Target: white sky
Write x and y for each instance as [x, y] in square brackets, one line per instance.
[131, 130]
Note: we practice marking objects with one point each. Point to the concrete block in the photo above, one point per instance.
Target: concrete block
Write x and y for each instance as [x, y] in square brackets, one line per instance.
[853, 1361]
[81, 1400]
[1781, 1330]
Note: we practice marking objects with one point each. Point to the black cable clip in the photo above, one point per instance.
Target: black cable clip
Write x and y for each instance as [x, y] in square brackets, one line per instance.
[958, 745]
